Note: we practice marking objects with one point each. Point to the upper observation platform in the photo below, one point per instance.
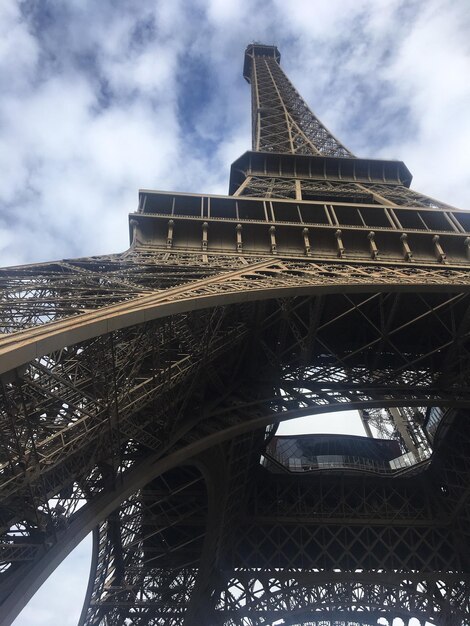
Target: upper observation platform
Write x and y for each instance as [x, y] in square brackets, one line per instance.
[258, 49]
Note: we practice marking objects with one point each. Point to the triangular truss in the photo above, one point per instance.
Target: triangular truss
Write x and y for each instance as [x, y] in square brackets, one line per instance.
[282, 121]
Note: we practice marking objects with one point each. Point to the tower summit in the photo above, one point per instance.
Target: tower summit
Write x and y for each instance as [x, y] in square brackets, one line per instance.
[141, 394]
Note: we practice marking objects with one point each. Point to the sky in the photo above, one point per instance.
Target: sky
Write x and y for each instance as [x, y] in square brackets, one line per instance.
[99, 99]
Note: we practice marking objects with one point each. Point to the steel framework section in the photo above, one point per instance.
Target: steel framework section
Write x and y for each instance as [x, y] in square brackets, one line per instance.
[141, 391]
[282, 121]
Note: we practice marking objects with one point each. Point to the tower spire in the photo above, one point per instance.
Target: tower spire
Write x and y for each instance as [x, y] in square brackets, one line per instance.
[281, 119]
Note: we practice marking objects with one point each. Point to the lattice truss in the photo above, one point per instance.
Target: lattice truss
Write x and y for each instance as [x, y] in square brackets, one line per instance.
[139, 391]
[277, 187]
[383, 425]
[80, 422]
[401, 195]
[277, 539]
[282, 121]
[36, 294]
[39, 295]
[334, 191]
[175, 558]
[306, 599]
[268, 187]
[149, 551]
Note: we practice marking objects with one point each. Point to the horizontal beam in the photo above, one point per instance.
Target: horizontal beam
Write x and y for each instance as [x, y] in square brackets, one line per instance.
[309, 167]
[264, 280]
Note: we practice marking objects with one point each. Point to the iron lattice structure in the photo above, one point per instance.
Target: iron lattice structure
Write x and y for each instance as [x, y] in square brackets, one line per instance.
[141, 390]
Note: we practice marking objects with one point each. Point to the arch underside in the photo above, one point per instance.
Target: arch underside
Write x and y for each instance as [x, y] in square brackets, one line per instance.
[121, 392]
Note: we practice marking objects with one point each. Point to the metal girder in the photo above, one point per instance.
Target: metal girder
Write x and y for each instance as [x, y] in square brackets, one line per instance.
[305, 388]
[265, 279]
[140, 391]
[303, 598]
[282, 121]
[54, 481]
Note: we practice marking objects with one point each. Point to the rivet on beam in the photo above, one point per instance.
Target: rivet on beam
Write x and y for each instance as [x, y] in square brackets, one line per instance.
[339, 243]
[374, 251]
[272, 234]
[406, 248]
[467, 246]
[135, 231]
[438, 250]
[238, 229]
[205, 227]
[169, 239]
[306, 241]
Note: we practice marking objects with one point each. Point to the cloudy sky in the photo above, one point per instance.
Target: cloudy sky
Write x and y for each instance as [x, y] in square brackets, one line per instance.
[99, 99]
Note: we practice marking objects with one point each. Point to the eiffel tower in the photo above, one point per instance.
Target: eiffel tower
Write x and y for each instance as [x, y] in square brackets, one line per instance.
[142, 391]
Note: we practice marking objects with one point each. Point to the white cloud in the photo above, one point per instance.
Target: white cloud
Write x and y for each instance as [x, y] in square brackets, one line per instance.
[428, 72]
[225, 12]
[18, 49]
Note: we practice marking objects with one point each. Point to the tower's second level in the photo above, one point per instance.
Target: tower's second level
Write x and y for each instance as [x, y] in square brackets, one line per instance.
[301, 193]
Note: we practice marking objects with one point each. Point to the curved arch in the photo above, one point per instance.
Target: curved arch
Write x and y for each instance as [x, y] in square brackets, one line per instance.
[241, 291]
[261, 281]
[211, 468]
[26, 583]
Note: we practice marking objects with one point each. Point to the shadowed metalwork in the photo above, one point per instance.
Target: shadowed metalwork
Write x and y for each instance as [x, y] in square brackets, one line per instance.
[141, 393]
